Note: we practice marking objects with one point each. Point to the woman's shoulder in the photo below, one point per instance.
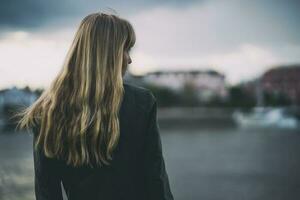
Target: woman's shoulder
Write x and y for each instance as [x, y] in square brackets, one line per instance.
[143, 96]
[139, 90]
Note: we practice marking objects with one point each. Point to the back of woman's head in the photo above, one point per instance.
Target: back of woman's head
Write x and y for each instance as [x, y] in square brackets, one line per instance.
[77, 116]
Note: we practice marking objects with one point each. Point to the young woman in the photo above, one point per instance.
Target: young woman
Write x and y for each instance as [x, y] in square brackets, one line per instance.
[93, 132]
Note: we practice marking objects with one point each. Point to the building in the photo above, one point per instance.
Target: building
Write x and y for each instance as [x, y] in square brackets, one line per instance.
[284, 80]
[208, 84]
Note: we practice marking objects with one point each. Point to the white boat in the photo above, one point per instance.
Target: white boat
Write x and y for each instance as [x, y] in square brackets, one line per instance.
[262, 117]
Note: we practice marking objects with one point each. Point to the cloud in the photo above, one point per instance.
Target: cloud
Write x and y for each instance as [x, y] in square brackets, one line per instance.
[34, 14]
[239, 38]
[31, 59]
[212, 27]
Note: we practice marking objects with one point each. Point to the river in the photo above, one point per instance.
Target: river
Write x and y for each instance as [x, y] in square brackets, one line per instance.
[202, 164]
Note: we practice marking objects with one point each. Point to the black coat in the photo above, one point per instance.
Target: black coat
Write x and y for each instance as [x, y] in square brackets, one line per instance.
[137, 172]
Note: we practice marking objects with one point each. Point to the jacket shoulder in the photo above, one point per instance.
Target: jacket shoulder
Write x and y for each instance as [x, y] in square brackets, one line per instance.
[143, 96]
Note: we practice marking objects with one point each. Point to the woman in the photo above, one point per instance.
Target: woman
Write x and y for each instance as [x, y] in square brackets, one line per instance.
[94, 133]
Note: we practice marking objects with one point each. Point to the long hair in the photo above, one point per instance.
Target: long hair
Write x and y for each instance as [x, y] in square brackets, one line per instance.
[77, 116]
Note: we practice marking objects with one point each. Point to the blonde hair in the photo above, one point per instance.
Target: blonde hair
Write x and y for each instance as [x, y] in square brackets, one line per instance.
[77, 116]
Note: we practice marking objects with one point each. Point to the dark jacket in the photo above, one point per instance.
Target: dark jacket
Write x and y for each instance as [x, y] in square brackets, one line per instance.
[137, 172]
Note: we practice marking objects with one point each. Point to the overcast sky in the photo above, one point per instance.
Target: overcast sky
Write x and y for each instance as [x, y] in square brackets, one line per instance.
[241, 38]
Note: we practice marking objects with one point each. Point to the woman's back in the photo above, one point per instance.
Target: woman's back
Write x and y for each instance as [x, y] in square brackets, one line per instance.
[94, 133]
[137, 170]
